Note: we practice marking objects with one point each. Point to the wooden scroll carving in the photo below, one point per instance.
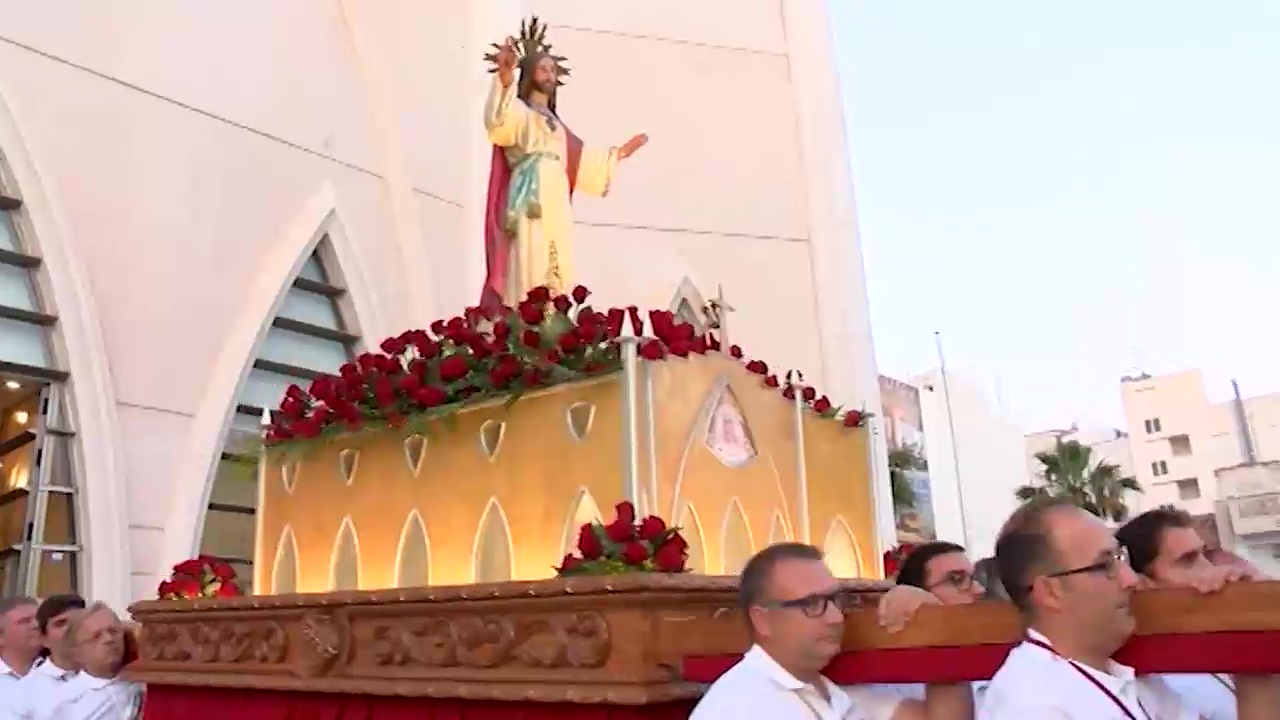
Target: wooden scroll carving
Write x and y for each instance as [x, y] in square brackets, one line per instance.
[619, 640]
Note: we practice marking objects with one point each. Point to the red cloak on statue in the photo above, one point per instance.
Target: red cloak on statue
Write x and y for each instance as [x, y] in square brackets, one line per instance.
[497, 241]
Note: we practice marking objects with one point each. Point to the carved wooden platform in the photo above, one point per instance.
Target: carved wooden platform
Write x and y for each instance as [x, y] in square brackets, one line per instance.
[590, 640]
[619, 640]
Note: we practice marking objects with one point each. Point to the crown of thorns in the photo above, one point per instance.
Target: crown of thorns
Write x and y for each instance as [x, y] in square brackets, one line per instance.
[531, 43]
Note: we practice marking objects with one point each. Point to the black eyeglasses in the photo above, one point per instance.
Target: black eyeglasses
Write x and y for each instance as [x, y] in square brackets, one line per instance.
[1110, 565]
[814, 606]
[958, 579]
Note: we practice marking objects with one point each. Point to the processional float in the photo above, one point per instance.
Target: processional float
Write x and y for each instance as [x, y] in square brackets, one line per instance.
[452, 455]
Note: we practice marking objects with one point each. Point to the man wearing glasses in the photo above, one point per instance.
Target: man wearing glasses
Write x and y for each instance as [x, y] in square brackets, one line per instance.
[935, 573]
[794, 611]
[1065, 572]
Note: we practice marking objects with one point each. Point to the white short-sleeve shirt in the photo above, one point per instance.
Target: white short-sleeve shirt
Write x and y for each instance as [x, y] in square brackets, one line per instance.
[1034, 683]
[91, 698]
[758, 688]
[41, 689]
[1213, 696]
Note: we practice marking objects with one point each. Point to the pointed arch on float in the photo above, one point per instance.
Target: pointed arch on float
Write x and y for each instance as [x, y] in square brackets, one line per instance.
[583, 510]
[102, 509]
[691, 529]
[779, 531]
[284, 571]
[344, 559]
[318, 219]
[840, 547]
[736, 544]
[492, 555]
[413, 554]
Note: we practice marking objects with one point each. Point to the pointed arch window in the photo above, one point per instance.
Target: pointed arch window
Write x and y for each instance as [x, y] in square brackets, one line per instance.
[40, 549]
[308, 337]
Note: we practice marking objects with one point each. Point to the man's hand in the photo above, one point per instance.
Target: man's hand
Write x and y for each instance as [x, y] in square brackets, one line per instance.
[631, 146]
[900, 604]
[507, 60]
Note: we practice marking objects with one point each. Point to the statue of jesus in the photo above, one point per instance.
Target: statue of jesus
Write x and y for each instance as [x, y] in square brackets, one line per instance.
[537, 165]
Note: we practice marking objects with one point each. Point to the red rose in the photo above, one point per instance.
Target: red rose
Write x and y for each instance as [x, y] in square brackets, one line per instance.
[570, 341]
[222, 570]
[227, 589]
[408, 384]
[589, 543]
[293, 391]
[501, 330]
[758, 367]
[189, 567]
[613, 322]
[637, 325]
[735, 352]
[539, 295]
[620, 532]
[437, 328]
[891, 563]
[569, 563]
[853, 418]
[625, 512]
[652, 350]
[809, 394]
[430, 396]
[771, 381]
[679, 348]
[393, 346]
[652, 528]
[713, 343]
[186, 587]
[789, 392]
[453, 368]
[580, 294]
[635, 553]
[562, 304]
[531, 313]
[531, 339]
[164, 590]
[822, 405]
[672, 556]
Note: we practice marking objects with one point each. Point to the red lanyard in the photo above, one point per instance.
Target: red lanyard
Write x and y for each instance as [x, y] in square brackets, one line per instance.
[1096, 683]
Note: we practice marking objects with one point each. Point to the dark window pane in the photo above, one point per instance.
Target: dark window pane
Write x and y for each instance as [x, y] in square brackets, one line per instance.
[58, 457]
[10, 560]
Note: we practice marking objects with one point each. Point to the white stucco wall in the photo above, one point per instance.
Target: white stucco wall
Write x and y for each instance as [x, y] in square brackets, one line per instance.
[188, 156]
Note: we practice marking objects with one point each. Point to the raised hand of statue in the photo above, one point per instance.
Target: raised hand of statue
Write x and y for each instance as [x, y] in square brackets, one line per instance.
[506, 61]
[631, 146]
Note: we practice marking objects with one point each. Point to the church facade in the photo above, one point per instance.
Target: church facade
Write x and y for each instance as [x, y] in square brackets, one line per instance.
[203, 203]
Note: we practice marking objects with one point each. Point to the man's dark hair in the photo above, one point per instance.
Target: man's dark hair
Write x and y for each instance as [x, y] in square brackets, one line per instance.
[754, 582]
[56, 605]
[1142, 535]
[914, 570]
[1024, 548]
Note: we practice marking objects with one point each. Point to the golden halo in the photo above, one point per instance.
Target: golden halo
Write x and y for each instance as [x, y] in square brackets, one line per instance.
[531, 41]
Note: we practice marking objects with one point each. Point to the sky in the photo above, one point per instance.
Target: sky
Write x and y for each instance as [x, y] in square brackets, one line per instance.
[1068, 192]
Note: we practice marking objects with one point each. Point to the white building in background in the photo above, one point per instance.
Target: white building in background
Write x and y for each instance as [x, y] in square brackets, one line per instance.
[974, 470]
[1201, 455]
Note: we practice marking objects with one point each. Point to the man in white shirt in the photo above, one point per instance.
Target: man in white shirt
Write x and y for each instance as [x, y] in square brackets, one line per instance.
[96, 693]
[42, 685]
[19, 647]
[1064, 570]
[1165, 547]
[794, 613]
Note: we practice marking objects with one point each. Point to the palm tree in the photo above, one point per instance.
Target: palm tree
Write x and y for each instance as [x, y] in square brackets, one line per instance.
[902, 460]
[1069, 472]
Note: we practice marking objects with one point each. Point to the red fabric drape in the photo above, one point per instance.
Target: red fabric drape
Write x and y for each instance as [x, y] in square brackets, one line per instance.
[171, 702]
[1227, 652]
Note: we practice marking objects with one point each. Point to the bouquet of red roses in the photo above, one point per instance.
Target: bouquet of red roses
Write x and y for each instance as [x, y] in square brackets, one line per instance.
[894, 557]
[200, 577]
[626, 545]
